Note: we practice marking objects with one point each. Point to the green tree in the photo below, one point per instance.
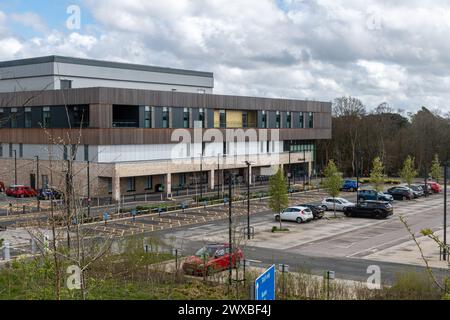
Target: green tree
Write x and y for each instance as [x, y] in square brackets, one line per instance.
[408, 173]
[278, 193]
[436, 168]
[377, 174]
[333, 181]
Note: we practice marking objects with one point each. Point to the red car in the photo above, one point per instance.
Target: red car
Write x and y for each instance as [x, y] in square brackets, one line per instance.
[212, 258]
[20, 192]
[435, 187]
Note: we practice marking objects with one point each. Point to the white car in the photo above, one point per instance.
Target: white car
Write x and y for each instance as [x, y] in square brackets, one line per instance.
[341, 204]
[297, 214]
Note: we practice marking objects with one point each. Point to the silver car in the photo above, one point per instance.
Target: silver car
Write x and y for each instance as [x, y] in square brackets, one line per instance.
[297, 214]
[340, 203]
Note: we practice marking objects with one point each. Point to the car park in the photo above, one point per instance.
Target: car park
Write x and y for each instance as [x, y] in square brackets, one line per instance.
[350, 185]
[318, 211]
[370, 209]
[19, 191]
[49, 193]
[297, 214]
[340, 204]
[370, 194]
[401, 193]
[435, 187]
[212, 258]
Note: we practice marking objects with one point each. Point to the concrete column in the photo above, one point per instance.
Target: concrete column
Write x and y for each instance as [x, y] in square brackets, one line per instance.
[169, 185]
[212, 182]
[116, 188]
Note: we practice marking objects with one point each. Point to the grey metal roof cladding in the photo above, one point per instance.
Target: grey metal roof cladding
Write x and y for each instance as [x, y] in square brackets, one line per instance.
[105, 64]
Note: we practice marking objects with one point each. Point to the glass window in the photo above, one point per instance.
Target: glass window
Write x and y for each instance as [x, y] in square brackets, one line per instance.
[165, 118]
[149, 183]
[13, 117]
[86, 152]
[10, 150]
[21, 150]
[44, 181]
[1, 150]
[186, 118]
[301, 121]
[73, 151]
[109, 185]
[66, 84]
[264, 120]
[147, 117]
[46, 117]
[244, 120]
[310, 120]
[278, 119]
[65, 154]
[288, 120]
[27, 117]
[223, 119]
[201, 116]
[131, 184]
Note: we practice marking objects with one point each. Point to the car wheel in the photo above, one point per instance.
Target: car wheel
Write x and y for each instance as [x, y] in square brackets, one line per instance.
[299, 220]
[344, 209]
[22, 196]
[404, 198]
[347, 214]
[325, 208]
[277, 218]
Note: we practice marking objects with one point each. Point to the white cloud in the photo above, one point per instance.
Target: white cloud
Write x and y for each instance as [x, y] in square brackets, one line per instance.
[375, 50]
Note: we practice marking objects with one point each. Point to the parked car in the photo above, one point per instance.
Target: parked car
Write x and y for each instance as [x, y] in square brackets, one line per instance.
[297, 214]
[401, 193]
[426, 189]
[20, 192]
[371, 209]
[341, 204]
[318, 211]
[212, 258]
[417, 190]
[435, 187]
[49, 193]
[350, 185]
[370, 194]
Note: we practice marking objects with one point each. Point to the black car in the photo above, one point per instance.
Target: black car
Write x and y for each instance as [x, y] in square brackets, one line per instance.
[317, 211]
[401, 193]
[49, 193]
[370, 209]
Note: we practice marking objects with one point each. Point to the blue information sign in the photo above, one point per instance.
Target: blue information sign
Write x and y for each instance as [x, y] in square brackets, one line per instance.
[265, 285]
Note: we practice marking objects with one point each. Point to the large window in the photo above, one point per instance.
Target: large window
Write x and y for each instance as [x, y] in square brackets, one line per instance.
[244, 120]
[147, 117]
[201, 117]
[27, 116]
[186, 118]
[278, 120]
[21, 150]
[10, 150]
[46, 117]
[223, 119]
[288, 120]
[86, 152]
[148, 183]
[131, 184]
[301, 121]
[165, 117]
[65, 153]
[263, 120]
[310, 121]
[14, 118]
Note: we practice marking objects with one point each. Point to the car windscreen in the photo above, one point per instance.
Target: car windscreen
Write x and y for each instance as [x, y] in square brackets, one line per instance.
[207, 251]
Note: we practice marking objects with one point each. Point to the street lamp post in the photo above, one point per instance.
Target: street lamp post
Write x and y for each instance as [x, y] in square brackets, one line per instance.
[218, 175]
[445, 208]
[201, 175]
[248, 198]
[15, 167]
[88, 189]
[290, 169]
[37, 182]
[230, 222]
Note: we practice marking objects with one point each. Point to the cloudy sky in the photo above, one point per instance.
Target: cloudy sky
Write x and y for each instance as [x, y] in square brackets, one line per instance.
[316, 49]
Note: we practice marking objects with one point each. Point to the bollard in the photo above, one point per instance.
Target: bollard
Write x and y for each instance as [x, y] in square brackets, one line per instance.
[6, 251]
